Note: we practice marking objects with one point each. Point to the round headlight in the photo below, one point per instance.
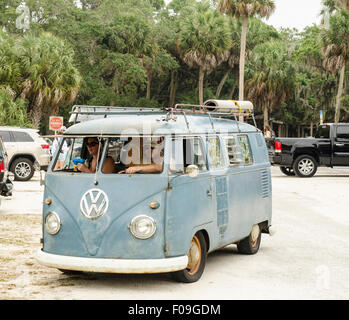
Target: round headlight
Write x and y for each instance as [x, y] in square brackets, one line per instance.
[52, 223]
[142, 227]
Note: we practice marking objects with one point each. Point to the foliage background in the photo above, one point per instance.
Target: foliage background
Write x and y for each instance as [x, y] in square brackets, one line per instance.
[143, 53]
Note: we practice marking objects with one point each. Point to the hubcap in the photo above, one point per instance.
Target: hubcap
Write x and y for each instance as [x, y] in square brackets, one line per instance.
[22, 170]
[306, 166]
[255, 235]
[194, 256]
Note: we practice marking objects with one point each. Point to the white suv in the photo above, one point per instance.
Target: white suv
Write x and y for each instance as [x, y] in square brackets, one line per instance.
[26, 151]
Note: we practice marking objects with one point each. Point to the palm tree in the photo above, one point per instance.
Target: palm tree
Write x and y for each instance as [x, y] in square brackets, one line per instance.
[336, 52]
[204, 42]
[233, 59]
[257, 32]
[10, 69]
[271, 76]
[244, 9]
[49, 77]
[343, 3]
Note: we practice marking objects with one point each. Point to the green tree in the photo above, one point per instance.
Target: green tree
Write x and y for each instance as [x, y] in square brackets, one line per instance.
[10, 68]
[257, 32]
[49, 78]
[13, 111]
[343, 3]
[204, 41]
[336, 52]
[271, 76]
[244, 9]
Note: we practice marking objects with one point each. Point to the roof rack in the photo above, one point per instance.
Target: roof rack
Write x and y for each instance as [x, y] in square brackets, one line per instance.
[81, 113]
[232, 107]
[221, 108]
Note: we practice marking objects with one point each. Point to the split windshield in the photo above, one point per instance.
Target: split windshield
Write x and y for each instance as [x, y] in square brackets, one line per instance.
[114, 155]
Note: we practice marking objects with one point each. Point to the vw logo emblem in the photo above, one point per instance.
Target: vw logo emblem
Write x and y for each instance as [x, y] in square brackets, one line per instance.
[94, 204]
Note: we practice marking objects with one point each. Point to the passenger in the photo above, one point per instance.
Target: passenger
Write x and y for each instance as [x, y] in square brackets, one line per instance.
[267, 132]
[94, 147]
[155, 156]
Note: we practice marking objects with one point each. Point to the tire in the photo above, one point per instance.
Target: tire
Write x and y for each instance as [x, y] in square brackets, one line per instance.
[250, 245]
[305, 166]
[288, 171]
[197, 259]
[23, 169]
[70, 272]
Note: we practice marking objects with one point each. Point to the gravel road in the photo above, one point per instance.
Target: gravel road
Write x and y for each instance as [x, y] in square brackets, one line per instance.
[306, 259]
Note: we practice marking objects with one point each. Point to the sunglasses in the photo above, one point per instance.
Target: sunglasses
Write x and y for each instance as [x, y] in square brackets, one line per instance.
[92, 144]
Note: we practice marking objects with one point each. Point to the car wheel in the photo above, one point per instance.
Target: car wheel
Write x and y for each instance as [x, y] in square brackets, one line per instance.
[23, 169]
[196, 261]
[305, 166]
[250, 245]
[70, 272]
[287, 171]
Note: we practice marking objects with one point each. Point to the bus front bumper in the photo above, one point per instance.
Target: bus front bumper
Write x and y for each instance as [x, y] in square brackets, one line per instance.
[112, 265]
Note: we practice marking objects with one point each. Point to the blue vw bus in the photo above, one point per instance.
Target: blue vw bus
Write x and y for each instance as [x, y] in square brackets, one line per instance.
[155, 191]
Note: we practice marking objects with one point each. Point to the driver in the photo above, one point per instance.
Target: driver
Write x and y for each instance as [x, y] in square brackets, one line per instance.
[94, 148]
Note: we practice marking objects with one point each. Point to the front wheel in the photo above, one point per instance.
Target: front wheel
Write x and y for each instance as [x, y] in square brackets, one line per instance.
[305, 166]
[196, 261]
[287, 171]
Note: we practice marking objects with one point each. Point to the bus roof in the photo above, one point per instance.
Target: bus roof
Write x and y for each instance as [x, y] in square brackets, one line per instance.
[158, 124]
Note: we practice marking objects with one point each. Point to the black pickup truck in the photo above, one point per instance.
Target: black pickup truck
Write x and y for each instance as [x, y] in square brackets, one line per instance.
[302, 156]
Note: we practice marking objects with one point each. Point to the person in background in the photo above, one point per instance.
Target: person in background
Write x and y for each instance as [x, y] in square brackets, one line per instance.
[268, 132]
[55, 145]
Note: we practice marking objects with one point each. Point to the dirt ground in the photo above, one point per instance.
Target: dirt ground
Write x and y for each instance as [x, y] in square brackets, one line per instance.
[306, 259]
[21, 277]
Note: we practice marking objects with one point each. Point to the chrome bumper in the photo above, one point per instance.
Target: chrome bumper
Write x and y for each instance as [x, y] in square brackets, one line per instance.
[112, 265]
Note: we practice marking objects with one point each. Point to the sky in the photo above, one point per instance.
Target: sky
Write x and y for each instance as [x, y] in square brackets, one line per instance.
[294, 13]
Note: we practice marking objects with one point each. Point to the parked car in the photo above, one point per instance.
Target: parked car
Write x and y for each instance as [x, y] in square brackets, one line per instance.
[26, 151]
[302, 156]
[5, 183]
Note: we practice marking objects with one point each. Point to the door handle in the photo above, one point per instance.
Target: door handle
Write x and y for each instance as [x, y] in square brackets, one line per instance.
[209, 193]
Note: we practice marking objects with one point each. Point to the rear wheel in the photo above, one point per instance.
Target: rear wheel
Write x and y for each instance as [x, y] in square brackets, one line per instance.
[70, 272]
[288, 171]
[250, 245]
[196, 261]
[305, 166]
[23, 169]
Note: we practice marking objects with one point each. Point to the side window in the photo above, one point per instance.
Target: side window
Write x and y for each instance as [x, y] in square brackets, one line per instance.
[5, 136]
[20, 136]
[186, 151]
[343, 132]
[214, 152]
[245, 150]
[232, 150]
[137, 154]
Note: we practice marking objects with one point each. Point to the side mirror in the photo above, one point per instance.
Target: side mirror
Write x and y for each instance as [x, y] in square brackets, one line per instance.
[192, 171]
